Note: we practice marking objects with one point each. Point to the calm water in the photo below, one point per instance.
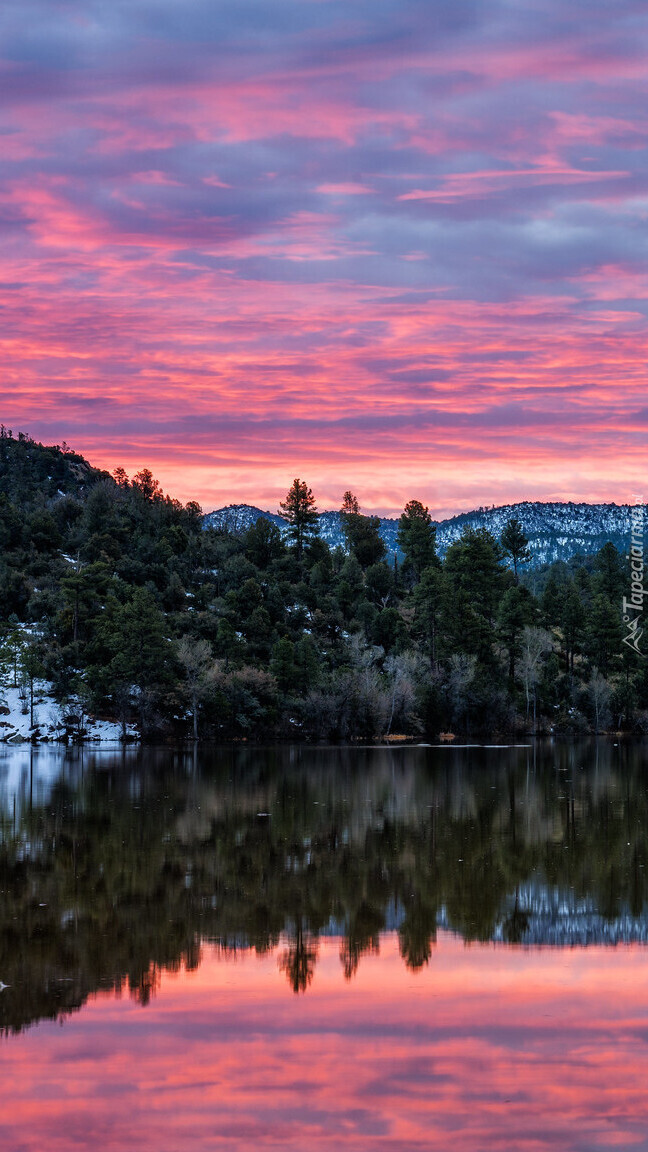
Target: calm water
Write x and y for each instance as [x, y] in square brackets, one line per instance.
[297, 949]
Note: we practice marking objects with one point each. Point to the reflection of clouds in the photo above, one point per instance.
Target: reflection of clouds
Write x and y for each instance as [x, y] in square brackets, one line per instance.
[487, 1048]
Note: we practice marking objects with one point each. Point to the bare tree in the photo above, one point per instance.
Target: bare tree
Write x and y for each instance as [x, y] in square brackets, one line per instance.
[369, 698]
[600, 694]
[535, 643]
[31, 667]
[402, 672]
[196, 659]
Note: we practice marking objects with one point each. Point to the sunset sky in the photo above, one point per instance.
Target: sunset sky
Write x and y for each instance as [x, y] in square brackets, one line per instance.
[400, 247]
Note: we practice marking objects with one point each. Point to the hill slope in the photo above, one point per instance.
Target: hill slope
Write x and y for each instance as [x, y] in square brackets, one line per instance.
[32, 471]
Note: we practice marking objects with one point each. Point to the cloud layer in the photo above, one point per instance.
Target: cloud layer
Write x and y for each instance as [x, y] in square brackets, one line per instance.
[401, 248]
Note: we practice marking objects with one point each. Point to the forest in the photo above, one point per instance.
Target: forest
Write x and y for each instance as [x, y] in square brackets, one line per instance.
[117, 600]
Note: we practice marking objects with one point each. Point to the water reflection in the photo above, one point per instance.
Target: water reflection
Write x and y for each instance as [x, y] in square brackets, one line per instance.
[116, 866]
[484, 1050]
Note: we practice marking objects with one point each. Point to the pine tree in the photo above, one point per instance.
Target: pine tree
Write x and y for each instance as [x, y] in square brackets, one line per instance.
[350, 505]
[611, 578]
[417, 538]
[516, 610]
[572, 622]
[515, 544]
[301, 513]
[361, 533]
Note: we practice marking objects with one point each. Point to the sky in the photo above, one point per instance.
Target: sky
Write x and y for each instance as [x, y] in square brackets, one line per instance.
[397, 247]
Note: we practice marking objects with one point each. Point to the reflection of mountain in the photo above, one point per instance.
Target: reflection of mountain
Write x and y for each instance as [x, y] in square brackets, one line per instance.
[128, 862]
[546, 915]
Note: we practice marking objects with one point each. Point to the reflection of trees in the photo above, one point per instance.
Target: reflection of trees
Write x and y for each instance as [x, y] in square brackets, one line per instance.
[299, 958]
[417, 933]
[516, 923]
[363, 934]
[146, 984]
[124, 873]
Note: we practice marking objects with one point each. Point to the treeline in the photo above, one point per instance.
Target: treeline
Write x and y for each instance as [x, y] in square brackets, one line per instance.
[116, 594]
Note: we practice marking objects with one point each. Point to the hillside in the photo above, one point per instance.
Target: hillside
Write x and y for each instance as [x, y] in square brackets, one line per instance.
[555, 531]
[36, 472]
[119, 613]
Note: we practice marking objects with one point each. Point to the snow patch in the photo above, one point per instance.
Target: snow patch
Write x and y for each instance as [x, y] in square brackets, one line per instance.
[16, 726]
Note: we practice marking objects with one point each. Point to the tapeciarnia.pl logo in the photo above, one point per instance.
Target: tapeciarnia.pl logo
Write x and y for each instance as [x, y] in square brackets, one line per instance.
[633, 606]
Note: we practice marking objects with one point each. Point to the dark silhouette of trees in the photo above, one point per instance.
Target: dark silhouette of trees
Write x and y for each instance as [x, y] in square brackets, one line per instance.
[515, 544]
[416, 539]
[300, 957]
[117, 846]
[300, 511]
[361, 533]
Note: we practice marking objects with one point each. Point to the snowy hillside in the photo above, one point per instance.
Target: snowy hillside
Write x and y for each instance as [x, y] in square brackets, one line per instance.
[237, 518]
[555, 531]
[16, 725]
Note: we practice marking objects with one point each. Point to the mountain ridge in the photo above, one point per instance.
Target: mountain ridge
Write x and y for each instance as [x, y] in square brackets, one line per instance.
[556, 530]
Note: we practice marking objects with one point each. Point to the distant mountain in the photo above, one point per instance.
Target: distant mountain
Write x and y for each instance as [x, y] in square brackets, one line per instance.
[555, 531]
[237, 518]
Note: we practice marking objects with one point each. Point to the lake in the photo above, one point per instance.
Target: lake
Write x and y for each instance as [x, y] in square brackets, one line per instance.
[324, 948]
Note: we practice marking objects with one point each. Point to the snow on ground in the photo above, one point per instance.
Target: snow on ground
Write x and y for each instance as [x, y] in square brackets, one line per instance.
[15, 719]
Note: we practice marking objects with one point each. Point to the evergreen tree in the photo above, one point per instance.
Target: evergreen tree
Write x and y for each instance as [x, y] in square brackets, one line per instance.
[379, 583]
[136, 667]
[350, 505]
[474, 566]
[145, 483]
[611, 577]
[517, 609]
[515, 544]
[263, 543]
[552, 599]
[428, 598]
[605, 634]
[361, 533]
[283, 666]
[417, 539]
[301, 513]
[572, 622]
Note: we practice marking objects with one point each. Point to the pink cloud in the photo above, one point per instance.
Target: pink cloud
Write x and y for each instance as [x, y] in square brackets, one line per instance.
[467, 303]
